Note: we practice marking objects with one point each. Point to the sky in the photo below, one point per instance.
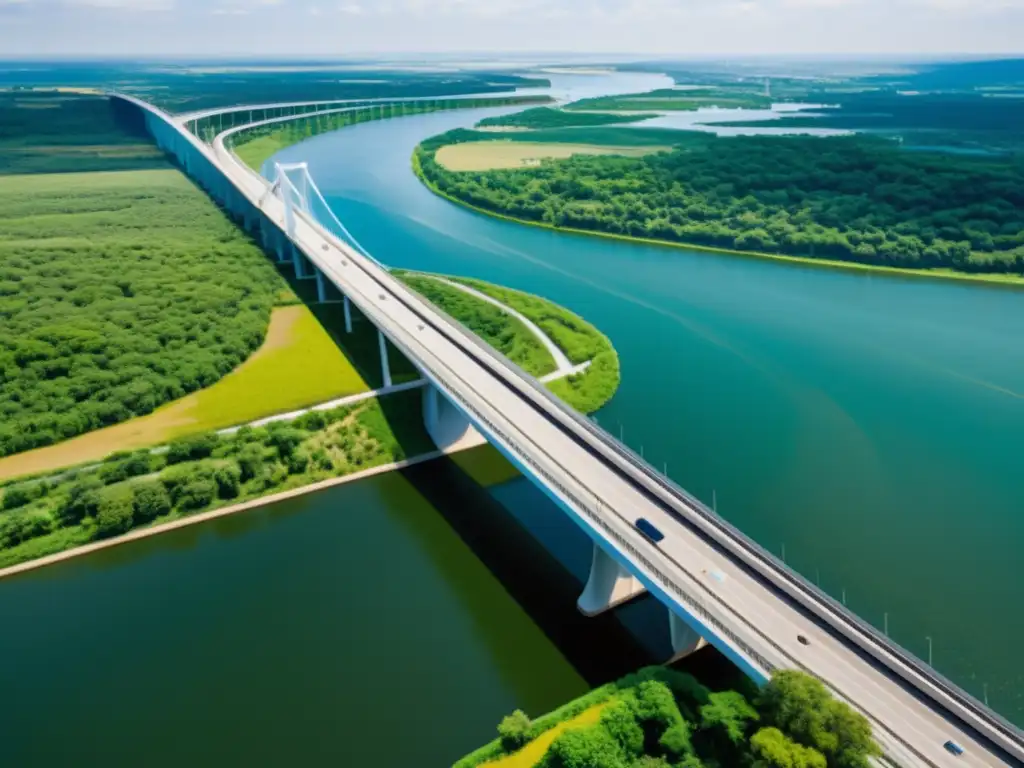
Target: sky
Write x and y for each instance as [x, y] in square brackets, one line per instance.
[647, 27]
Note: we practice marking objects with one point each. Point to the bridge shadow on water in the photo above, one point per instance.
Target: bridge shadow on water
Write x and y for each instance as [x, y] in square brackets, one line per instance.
[541, 558]
[537, 553]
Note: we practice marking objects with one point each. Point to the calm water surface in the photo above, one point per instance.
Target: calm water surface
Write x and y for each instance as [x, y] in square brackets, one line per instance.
[389, 622]
[872, 426]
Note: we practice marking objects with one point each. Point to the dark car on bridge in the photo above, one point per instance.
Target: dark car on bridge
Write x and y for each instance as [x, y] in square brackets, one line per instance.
[648, 530]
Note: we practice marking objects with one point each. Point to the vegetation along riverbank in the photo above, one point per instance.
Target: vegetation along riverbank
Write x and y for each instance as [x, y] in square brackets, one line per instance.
[136, 489]
[659, 717]
[830, 201]
[581, 342]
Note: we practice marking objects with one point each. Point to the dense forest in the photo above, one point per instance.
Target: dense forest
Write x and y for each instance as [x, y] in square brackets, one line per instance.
[662, 718]
[549, 117]
[118, 293]
[849, 198]
[58, 132]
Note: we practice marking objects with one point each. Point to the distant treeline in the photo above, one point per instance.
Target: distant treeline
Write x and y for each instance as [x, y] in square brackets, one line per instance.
[848, 198]
[548, 117]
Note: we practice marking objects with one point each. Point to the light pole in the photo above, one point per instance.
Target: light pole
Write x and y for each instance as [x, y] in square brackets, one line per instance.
[929, 639]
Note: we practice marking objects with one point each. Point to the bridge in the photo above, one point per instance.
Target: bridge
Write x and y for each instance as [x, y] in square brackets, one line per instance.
[718, 586]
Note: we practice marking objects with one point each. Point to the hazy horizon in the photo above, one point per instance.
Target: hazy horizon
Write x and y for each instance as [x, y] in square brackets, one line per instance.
[652, 28]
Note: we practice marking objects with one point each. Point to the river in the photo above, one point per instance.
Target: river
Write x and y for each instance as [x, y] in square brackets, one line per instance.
[870, 425]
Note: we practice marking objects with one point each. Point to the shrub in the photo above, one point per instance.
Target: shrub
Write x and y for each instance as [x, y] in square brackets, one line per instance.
[773, 749]
[297, 463]
[656, 711]
[192, 448]
[676, 741]
[619, 720]
[17, 496]
[114, 513]
[151, 501]
[284, 439]
[584, 748]
[513, 730]
[250, 462]
[176, 478]
[197, 493]
[82, 501]
[228, 479]
[135, 465]
[311, 421]
[18, 527]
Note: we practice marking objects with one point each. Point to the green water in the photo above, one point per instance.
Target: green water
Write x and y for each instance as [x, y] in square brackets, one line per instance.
[871, 426]
[353, 627]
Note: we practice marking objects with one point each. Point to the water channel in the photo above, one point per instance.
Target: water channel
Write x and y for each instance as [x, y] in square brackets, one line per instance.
[869, 425]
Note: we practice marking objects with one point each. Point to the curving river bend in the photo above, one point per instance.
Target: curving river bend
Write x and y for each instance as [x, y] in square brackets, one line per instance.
[870, 425]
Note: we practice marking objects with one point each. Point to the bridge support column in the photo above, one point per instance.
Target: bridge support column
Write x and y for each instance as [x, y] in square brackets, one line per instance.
[297, 260]
[321, 287]
[385, 367]
[609, 585]
[445, 423]
[348, 314]
[281, 246]
[684, 640]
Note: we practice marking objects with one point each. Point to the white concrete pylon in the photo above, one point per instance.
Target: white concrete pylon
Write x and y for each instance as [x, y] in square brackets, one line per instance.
[609, 585]
[685, 640]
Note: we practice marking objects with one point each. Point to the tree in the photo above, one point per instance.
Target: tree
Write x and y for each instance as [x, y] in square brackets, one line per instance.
[513, 730]
[82, 501]
[800, 706]
[197, 493]
[114, 514]
[619, 720]
[16, 496]
[228, 479]
[250, 461]
[725, 723]
[590, 747]
[772, 749]
[150, 501]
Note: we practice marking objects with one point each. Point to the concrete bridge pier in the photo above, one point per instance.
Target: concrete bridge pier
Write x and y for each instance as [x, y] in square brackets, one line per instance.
[385, 366]
[609, 585]
[321, 286]
[348, 314]
[298, 261]
[684, 639]
[445, 423]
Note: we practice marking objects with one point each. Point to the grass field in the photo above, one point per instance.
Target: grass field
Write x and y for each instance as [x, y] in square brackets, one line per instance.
[493, 155]
[256, 152]
[298, 365]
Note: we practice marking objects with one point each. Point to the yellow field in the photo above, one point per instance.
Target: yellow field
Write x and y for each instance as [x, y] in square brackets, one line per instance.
[531, 754]
[493, 155]
[298, 365]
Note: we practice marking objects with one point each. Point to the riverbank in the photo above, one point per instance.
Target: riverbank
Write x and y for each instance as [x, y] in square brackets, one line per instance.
[213, 514]
[989, 279]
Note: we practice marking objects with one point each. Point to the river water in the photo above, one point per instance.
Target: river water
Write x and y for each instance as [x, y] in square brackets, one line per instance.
[870, 425]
